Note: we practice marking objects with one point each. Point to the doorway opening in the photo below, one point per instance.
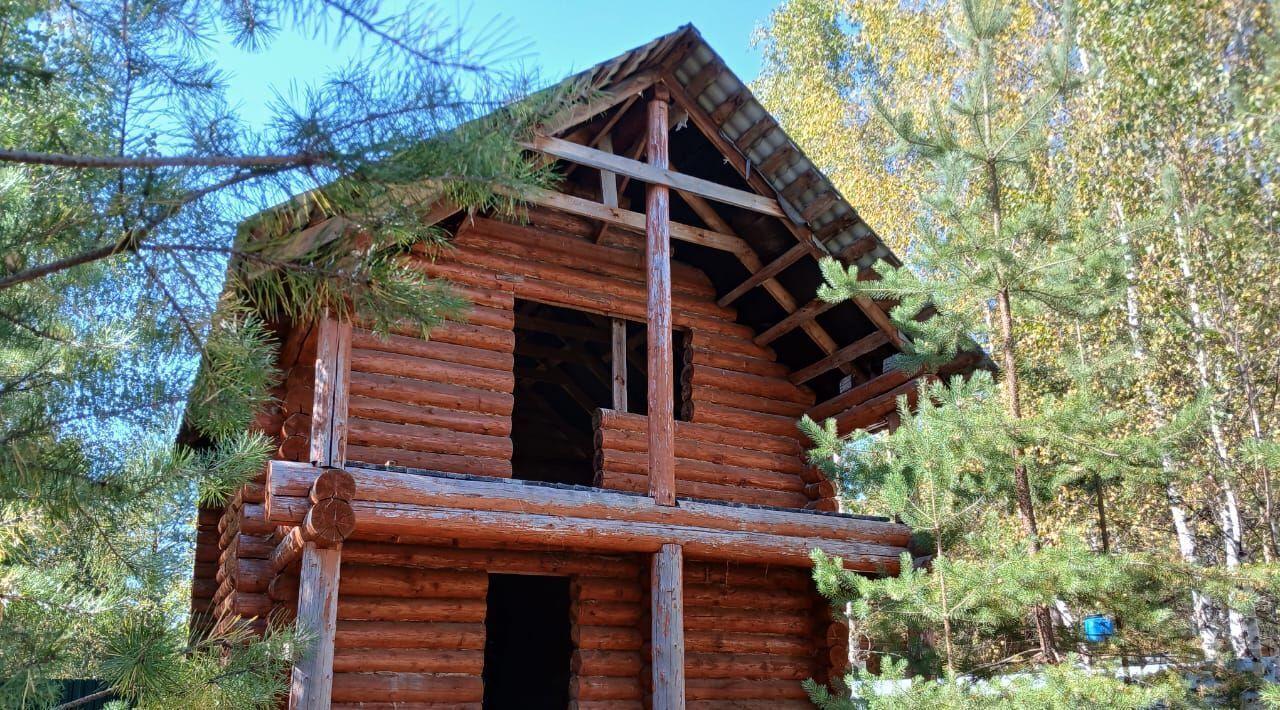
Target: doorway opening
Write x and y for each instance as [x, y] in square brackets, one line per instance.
[527, 645]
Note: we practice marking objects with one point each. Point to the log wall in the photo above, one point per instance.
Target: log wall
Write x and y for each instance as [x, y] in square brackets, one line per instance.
[752, 634]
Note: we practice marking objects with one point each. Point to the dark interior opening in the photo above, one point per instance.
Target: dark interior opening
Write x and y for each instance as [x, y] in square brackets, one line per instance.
[563, 373]
[527, 645]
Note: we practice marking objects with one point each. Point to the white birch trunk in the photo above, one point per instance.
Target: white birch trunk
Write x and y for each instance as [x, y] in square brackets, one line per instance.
[1242, 628]
[1204, 616]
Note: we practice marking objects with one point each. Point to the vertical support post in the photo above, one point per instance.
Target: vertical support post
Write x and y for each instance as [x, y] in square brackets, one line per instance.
[619, 359]
[662, 463]
[608, 180]
[667, 612]
[311, 685]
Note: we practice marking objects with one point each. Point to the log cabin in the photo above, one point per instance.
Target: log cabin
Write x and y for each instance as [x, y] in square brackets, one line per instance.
[591, 492]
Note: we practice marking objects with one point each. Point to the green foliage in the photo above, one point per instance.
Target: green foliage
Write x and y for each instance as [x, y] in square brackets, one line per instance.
[134, 303]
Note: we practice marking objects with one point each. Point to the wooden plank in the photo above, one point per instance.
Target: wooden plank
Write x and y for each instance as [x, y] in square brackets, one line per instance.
[802, 315]
[654, 175]
[608, 180]
[858, 395]
[329, 411]
[631, 220]
[619, 362]
[850, 352]
[311, 686]
[767, 272]
[609, 97]
[667, 611]
[661, 405]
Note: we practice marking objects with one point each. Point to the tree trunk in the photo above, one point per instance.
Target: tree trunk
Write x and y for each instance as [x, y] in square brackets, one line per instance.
[1242, 628]
[1021, 482]
[1204, 614]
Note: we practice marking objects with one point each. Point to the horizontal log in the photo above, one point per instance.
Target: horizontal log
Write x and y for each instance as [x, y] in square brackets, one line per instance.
[478, 337]
[252, 575]
[696, 572]
[287, 551]
[432, 350]
[408, 660]
[254, 546]
[422, 415]
[704, 451]
[602, 589]
[734, 361]
[734, 597]
[708, 433]
[367, 580]
[568, 278]
[877, 408]
[600, 613]
[491, 561]
[859, 394]
[737, 689]
[749, 402]
[435, 394]
[731, 642]
[778, 621]
[400, 705]
[749, 666]
[704, 412]
[403, 609]
[432, 687]
[575, 253]
[770, 704]
[428, 439]
[731, 493]
[449, 463]
[636, 463]
[283, 588]
[426, 635]
[701, 519]
[409, 366]
[743, 346]
[606, 663]
[746, 383]
[608, 638]
[605, 688]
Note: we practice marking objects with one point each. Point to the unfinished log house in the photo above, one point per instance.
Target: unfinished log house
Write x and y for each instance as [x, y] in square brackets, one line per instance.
[591, 493]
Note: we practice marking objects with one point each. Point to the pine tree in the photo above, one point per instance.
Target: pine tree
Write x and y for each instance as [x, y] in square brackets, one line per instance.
[1007, 238]
[124, 177]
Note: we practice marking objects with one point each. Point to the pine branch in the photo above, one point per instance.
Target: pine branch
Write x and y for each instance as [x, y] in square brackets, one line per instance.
[130, 241]
[113, 162]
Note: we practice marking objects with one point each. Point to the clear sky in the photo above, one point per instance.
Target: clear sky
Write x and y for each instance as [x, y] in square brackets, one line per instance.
[555, 38]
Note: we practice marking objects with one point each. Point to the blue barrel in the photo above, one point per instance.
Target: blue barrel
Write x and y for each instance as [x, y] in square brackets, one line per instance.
[1098, 628]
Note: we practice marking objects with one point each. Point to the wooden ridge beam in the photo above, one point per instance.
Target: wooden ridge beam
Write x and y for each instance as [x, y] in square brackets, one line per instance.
[854, 350]
[654, 175]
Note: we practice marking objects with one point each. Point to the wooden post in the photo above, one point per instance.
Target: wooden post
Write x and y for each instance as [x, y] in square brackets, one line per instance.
[312, 681]
[619, 365]
[662, 463]
[667, 599]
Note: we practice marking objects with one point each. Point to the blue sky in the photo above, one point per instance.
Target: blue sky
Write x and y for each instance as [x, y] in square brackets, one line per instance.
[556, 38]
